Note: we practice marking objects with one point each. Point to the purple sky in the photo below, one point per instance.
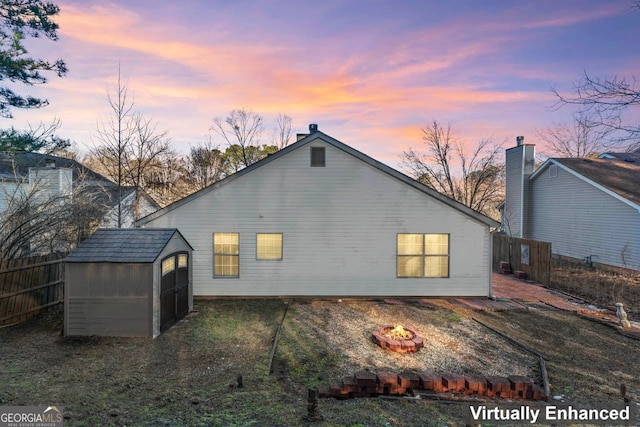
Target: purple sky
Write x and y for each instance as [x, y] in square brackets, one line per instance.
[369, 73]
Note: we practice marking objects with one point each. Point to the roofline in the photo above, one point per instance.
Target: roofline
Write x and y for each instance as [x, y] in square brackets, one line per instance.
[175, 230]
[585, 179]
[347, 149]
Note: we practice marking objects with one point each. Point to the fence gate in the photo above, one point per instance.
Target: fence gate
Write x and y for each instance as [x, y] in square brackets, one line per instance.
[531, 256]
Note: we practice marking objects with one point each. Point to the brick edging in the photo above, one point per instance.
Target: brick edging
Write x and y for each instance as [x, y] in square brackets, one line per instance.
[369, 384]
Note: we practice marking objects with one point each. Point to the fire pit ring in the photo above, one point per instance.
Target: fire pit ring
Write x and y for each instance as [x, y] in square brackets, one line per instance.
[398, 339]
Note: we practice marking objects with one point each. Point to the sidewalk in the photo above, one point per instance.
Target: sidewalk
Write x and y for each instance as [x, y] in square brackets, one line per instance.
[508, 287]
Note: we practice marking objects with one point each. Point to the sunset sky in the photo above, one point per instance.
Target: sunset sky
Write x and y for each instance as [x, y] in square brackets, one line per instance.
[369, 73]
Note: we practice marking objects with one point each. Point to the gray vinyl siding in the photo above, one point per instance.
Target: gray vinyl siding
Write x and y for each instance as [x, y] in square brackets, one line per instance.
[9, 191]
[339, 226]
[581, 220]
[51, 183]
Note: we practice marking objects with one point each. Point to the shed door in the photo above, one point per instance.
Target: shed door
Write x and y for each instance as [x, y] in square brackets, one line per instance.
[174, 289]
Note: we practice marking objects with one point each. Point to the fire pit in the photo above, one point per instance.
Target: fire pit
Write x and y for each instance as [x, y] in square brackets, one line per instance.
[398, 338]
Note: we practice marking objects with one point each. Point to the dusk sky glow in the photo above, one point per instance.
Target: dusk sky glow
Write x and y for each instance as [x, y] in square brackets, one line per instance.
[369, 73]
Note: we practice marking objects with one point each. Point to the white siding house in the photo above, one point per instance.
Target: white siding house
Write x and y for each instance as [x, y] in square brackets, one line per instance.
[589, 209]
[320, 218]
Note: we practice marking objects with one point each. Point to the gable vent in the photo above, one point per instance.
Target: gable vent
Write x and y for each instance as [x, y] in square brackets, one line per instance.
[317, 157]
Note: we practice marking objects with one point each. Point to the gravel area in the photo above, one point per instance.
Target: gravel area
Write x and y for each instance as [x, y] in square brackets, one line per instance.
[453, 343]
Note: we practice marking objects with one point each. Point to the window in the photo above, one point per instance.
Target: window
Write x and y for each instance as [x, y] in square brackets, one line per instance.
[269, 246]
[422, 255]
[183, 261]
[226, 255]
[317, 157]
[168, 265]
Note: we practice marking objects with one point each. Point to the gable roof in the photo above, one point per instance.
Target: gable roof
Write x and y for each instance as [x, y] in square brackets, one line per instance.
[17, 166]
[123, 245]
[619, 178]
[633, 156]
[315, 136]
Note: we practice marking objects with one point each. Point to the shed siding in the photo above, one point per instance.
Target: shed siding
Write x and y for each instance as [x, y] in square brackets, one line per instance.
[339, 224]
[580, 220]
[107, 299]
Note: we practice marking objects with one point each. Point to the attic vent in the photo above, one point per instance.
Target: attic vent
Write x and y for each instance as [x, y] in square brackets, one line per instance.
[588, 160]
[628, 160]
[553, 171]
[317, 157]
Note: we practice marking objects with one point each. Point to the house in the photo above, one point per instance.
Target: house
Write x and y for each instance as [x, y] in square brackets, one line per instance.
[321, 218]
[53, 185]
[589, 209]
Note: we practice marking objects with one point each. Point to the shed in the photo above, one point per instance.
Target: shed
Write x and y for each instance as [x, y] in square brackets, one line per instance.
[128, 282]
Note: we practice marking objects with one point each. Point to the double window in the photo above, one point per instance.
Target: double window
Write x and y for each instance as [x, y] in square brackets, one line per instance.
[422, 255]
[226, 251]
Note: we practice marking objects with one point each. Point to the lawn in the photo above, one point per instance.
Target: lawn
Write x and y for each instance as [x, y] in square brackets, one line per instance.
[189, 375]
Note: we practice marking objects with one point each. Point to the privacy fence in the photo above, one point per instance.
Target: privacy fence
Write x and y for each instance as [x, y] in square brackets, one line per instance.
[530, 256]
[29, 285]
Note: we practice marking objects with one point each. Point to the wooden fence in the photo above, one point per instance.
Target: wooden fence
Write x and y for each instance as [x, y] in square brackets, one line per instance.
[530, 256]
[29, 285]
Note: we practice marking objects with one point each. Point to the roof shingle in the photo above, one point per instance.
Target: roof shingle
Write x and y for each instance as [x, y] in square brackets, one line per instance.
[123, 245]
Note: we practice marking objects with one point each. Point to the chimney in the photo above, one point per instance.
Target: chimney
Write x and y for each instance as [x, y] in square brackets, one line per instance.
[519, 167]
[312, 128]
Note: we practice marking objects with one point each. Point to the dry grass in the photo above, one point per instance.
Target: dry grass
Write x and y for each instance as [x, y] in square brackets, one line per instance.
[597, 285]
[187, 376]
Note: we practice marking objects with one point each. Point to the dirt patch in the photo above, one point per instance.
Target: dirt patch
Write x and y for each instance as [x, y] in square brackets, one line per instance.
[188, 376]
[599, 286]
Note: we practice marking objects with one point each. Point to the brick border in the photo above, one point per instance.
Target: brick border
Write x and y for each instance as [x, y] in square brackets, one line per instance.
[368, 384]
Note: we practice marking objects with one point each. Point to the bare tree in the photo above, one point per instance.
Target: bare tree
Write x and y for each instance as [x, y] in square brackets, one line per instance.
[475, 180]
[128, 149]
[282, 132]
[114, 137]
[205, 164]
[606, 100]
[144, 153]
[583, 137]
[242, 128]
[169, 180]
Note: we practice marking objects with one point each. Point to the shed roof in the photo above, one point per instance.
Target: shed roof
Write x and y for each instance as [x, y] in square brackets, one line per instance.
[123, 245]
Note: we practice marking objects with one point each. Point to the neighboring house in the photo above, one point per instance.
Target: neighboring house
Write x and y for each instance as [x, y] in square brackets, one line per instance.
[589, 209]
[321, 218]
[44, 178]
